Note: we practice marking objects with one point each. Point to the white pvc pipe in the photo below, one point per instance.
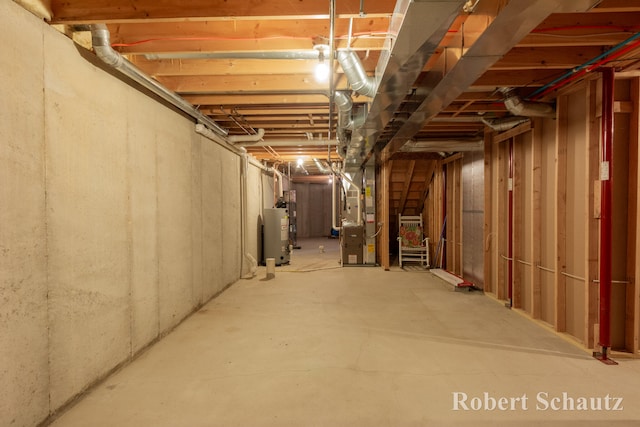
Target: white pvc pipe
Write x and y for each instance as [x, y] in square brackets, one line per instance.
[271, 268]
[333, 203]
[234, 139]
[209, 134]
[280, 180]
[101, 41]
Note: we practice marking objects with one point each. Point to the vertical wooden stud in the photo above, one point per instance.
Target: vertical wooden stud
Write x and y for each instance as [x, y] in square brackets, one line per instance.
[536, 220]
[561, 213]
[633, 266]
[489, 247]
[518, 221]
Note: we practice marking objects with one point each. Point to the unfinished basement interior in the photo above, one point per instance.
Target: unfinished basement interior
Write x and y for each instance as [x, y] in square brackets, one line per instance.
[331, 213]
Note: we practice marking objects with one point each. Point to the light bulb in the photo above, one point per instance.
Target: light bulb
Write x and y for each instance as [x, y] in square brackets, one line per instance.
[321, 72]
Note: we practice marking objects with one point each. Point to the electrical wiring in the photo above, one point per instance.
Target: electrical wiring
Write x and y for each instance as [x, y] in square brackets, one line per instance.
[620, 28]
[372, 34]
[580, 36]
[384, 34]
[212, 38]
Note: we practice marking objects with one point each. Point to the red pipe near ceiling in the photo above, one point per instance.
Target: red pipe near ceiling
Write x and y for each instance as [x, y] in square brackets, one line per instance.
[588, 69]
[606, 175]
[510, 228]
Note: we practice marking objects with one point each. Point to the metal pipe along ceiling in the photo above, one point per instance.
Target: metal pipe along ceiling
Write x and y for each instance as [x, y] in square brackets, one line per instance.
[101, 40]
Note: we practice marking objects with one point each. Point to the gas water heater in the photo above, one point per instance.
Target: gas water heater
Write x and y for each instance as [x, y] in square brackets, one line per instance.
[275, 237]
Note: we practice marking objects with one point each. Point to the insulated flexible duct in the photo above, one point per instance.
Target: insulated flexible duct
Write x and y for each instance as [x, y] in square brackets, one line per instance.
[503, 124]
[518, 107]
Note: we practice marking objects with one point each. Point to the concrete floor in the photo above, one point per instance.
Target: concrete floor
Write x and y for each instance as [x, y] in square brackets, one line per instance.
[357, 346]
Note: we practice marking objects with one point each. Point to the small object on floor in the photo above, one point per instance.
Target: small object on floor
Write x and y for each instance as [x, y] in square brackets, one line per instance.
[271, 268]
[458, 282]
[321, 248]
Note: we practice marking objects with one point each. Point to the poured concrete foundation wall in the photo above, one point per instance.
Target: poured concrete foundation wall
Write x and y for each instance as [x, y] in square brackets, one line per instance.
[117, 220]
[24, 358]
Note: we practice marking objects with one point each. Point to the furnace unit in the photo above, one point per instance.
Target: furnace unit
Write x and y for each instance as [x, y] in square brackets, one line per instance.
[352, 240]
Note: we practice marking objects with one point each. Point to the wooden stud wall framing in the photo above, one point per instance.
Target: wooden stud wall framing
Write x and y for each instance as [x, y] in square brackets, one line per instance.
[435, 212]
[453, 168]
[562, 209]
[519, 174]
[561, 213]
[632, 213]
[501, 229]
[634, 181]
[457, 212]
[628, 128]
[536, 221]
[489, 253]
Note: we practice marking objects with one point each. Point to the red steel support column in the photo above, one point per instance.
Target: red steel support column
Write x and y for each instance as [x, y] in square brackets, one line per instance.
[606, 175]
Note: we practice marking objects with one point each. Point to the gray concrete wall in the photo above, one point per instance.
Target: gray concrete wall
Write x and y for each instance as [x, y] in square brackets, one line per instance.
[117, 220]
[24, 375]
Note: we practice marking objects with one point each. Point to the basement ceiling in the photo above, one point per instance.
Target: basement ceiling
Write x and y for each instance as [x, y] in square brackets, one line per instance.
[243, 63]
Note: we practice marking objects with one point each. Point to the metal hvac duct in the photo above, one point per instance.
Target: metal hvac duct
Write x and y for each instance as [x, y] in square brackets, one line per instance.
[418, 28]
[362, 84]
[355, 73]
[345, 106]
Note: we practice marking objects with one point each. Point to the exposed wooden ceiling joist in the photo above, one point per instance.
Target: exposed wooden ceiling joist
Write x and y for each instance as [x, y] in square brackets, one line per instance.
[83, 11]
[208, 51]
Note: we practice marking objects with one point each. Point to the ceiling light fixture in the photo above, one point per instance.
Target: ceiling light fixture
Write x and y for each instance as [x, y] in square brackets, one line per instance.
[321, 70]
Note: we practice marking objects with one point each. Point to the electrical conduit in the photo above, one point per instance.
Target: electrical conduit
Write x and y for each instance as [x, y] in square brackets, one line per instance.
[606, 174]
